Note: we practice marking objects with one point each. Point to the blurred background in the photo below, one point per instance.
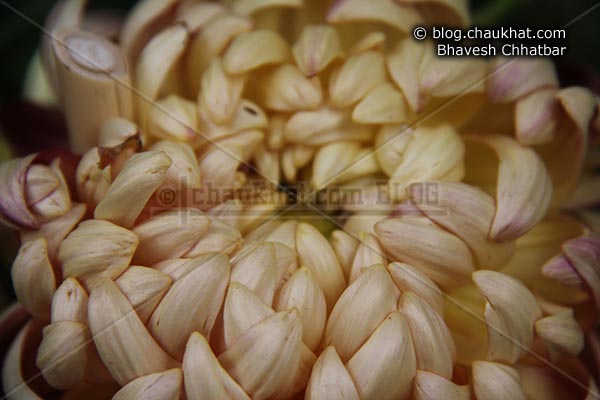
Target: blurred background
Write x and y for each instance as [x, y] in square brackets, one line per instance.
[26, 128]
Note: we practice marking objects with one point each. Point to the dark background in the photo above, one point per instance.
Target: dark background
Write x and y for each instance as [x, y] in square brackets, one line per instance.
[19, 39]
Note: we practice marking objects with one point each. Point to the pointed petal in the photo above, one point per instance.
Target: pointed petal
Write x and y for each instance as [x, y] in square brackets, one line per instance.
[330, 379]
[385, 365]
[360, 309]
[123, 342]
[266, 356]
[191, 305]
[159, 385]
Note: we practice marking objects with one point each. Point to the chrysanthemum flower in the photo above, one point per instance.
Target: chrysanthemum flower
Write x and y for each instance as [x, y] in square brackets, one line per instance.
[149, 273]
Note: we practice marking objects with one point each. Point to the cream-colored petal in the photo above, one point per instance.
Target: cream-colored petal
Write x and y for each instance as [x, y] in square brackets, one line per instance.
[382, 105]
[341, 161]
[372, 41]
[433, 154]
[467, 212]
[389, 12]
[360, 309]
[368, 252]
[285, 88]
[434, 347]
[403, 65]
[33, 278]
[184, 171]
[70, 302]
[510, 312]
[430, 386]
[535, 117]
[242, 309]
[197, 15]
[524, 188]
[264, 359]
[154, 64]
[256, 268]
[251, 50]
[159, 385]
[561, 334]
[345, 247]
[302, 292]
[316, 254]
[442, 256]
[95, 249]
[384, 367]
[249, 7]
[127, 195]
[220, 237]
[330, 379]
[173, 118]
[191, 305]
[409, 278]
[144, 288]
[316, 48]
[210, 41]
[123, 342]
[145, 20]
[305, 124]
[63, 354]
[169, 235]
[495, 381]
[511, 79]
[355, 78]
[202, 371]
[220, 91]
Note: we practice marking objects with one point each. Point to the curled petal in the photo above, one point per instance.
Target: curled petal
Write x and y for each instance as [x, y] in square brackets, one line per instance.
[356, 77]
[169, 235]
[97, 249]
[439, 254]
[511, 79]
[63, 354]
[430, 386]
[33, 278]
[130, 191]
[535, 117]
[468, 212]
[524, 188]
[13, 205]
[561, 334]
[495, 381]
[584, 254]
[510, 312]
